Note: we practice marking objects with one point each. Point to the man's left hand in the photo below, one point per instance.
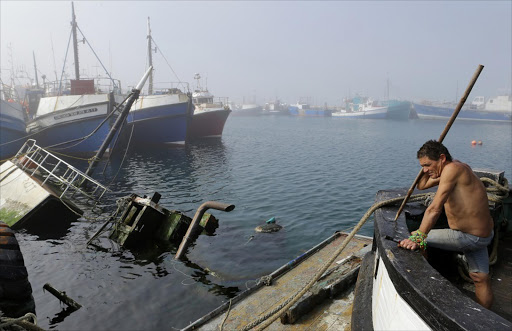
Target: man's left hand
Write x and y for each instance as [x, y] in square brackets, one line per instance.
[408, 244]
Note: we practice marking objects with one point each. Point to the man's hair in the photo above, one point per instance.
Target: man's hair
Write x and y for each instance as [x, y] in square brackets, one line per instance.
[433, 150]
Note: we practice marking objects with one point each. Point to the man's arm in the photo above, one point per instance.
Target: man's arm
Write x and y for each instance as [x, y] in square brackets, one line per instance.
[427, 182]
[447, 183]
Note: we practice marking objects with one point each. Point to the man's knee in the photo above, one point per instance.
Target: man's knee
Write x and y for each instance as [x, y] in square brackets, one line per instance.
[479, 277]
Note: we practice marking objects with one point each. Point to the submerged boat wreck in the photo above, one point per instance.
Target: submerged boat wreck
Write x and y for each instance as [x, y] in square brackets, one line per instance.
[395, 288]
[38, 189]
[139, 219]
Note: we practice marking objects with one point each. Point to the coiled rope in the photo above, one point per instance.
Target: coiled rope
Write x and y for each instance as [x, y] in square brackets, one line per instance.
[495, 194]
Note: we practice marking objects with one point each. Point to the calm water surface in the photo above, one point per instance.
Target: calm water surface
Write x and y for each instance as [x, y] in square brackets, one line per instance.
[315, 175]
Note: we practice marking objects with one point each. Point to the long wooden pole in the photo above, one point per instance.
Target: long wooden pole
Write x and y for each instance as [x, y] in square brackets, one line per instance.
[445, 131]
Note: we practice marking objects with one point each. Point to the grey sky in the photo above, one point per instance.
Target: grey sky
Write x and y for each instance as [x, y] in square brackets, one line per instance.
[292, 49]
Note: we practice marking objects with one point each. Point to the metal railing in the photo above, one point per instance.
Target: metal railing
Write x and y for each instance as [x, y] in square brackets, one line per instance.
[38, 162]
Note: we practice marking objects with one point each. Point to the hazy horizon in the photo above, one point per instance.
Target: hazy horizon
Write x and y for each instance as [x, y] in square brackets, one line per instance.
[291, 50]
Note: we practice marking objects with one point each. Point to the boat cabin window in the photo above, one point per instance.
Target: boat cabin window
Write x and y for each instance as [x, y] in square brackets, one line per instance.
[203, 100]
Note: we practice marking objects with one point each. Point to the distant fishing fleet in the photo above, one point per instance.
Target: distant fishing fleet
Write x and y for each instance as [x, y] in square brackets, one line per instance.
[73, 116]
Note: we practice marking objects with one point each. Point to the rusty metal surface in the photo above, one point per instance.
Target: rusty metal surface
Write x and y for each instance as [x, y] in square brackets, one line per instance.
[332, 314]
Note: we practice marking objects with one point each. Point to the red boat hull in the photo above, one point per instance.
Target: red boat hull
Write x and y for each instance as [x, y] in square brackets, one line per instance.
[208, 124]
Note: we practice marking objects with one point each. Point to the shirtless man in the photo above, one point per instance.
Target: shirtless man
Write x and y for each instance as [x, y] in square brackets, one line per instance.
[465, 202]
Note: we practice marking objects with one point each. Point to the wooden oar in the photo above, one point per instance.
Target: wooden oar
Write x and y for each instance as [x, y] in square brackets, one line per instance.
[445, 131]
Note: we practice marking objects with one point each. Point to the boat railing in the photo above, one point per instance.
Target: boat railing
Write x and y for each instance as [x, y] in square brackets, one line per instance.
[38, 162]
[171, 88]
[101, 85]
[221, 100]
[8, 93]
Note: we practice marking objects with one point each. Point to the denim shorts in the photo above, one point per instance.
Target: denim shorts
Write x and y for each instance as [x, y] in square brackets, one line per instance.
[473, 247]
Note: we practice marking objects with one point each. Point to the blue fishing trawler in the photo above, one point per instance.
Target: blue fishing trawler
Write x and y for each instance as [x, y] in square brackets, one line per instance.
[162, 116]
[496, 109]
[304, 109]
[74, 116]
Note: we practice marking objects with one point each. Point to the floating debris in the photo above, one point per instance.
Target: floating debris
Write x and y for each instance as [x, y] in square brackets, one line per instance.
[62, 296]
[269, 226]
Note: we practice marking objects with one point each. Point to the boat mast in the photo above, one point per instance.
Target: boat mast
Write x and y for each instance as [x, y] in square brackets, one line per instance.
[35, 68]
[197, 77]
[387, 87]
[150, 60]
[75, 43]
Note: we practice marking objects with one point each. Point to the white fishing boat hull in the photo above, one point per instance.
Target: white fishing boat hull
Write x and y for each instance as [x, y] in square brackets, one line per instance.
[371, 113]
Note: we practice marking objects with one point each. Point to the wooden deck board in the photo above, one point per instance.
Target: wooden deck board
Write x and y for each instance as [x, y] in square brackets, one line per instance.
[332, 314]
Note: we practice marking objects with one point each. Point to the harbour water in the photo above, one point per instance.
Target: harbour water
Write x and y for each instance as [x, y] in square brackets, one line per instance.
[314, 175]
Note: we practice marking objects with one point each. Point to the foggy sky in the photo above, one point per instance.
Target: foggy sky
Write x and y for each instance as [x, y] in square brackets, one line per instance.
[322, 51]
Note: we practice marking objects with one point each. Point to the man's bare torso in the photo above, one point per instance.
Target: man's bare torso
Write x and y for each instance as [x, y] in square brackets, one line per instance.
[467, 207]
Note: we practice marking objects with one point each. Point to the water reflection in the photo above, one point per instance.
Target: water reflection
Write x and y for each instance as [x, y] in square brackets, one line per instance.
[182, 175]
[159, 256]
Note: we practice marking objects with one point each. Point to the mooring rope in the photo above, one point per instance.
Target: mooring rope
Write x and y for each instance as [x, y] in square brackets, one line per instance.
[23, 322]
[278, 311]
[271, 316]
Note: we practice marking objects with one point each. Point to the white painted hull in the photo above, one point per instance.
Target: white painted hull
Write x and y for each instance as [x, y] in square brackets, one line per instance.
[376, 113]
[389, 310]
[68, 108]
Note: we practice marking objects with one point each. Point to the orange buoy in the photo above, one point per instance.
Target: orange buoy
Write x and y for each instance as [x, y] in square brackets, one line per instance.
[473, 142]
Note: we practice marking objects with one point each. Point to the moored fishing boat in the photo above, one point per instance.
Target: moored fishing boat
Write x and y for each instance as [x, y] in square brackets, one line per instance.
[73, 124]
[210, 115]
[496, 109]
[359, 107]
[161, 116]
[275, 108]
[12, 123]
[247, 109]
[304, 109]
[74, 117]
[398, 110]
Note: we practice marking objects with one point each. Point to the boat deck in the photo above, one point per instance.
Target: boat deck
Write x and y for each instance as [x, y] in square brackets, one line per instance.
[501, 281]
[318, 309]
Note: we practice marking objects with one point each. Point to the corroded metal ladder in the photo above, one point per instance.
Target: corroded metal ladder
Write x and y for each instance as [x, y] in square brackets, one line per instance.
[38, 162]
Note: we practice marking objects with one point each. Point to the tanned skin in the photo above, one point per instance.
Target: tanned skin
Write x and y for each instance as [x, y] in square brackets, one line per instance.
[464, 198]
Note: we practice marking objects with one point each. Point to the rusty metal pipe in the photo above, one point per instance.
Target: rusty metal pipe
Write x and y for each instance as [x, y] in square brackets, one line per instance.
[195, 222]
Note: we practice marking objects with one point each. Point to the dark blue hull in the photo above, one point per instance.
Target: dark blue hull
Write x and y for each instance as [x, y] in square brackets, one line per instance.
[398, 110]
[12, 129]
[60, 138]
[433, 112]
[10, 142]
[165, 124]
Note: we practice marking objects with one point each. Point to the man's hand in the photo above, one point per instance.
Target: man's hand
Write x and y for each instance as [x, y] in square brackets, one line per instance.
[408, 244]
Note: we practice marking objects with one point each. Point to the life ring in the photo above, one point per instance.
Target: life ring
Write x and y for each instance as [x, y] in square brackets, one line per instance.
[15, 290]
